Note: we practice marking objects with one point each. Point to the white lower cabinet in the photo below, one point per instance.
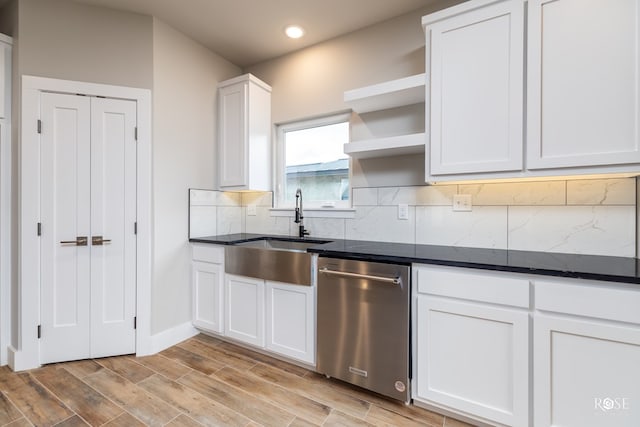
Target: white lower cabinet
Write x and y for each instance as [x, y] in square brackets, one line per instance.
[208, 291]
[207, 278]
[290, 320]
[244, 309]
[279, 317]
[488, 351]
[587, 367]
[472, 357]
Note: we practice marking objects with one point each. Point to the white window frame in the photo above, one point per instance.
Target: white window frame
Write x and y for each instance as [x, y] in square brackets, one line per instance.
[279, 169]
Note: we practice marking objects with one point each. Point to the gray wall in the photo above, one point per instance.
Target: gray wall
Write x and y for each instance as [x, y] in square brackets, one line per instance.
[72, 41]
[312, 82]
[185, 76]
[67, 40]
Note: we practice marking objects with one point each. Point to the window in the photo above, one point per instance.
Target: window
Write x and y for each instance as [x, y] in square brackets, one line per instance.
[310, 156]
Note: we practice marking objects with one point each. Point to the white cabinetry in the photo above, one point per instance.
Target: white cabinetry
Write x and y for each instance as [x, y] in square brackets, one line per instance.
[475, 95]
[582, 103]
[583, 96]
[244, 308]
[244, 134]
[277, 316]
[471, 341]
[291, 320]
[207, 276]
[384, 96]
[586, 355]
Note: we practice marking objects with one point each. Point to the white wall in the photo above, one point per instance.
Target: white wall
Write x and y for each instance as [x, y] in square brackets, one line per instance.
[185, 75]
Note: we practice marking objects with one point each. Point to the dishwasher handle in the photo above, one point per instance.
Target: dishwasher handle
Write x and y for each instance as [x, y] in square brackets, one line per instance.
[393, 280]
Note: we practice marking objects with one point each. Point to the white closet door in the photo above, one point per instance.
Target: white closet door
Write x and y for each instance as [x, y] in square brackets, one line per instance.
[65, 216]
[113, 215]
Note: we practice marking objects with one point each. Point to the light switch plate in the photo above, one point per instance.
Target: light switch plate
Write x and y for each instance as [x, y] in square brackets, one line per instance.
[462, 202]
[251, 210]
[403, 211]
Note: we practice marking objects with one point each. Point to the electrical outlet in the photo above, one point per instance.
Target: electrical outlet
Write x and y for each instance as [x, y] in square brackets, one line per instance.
[462, 202]
[403, 211]
[251, 210]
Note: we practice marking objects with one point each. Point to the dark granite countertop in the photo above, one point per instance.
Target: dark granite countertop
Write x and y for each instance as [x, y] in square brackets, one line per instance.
[592, 267]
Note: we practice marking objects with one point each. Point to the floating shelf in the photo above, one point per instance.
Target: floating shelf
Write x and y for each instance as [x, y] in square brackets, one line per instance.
[382, 147]
[391, 94]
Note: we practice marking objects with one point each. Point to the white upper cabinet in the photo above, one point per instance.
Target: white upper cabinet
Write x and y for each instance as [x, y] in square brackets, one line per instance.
[474, 111]
[582, 104]
[244, 134]
[583, 99]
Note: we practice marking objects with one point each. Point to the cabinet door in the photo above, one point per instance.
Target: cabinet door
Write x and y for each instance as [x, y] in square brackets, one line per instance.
[291, 320]
[586, 373]
[473, 358]
[475, 95]
[244, 309]
[233, 112]
[583, 98]
[208, 286]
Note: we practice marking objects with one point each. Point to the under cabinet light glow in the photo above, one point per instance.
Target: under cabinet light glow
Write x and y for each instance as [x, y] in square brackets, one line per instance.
[294, 31]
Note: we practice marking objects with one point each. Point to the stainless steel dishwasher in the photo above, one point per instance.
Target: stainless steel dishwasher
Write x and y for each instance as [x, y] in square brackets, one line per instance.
[363, 324]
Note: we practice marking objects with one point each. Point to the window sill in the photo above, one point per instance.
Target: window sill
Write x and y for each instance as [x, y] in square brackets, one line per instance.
[348, 213]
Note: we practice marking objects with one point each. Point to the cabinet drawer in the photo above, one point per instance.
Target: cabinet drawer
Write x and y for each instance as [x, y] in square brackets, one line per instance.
[476, 285]
[208, 253]
[598, 299]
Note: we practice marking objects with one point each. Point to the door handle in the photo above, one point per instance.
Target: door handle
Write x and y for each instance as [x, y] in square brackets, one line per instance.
[80, 241]
[393, 280]
[98, 240]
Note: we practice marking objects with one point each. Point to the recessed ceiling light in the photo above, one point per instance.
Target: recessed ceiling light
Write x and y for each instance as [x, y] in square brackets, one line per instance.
[294, 31]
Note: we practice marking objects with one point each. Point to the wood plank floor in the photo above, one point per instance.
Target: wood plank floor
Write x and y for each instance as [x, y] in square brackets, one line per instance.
[201, 381]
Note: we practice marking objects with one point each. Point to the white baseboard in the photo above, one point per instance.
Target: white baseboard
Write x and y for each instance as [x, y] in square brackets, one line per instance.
[168, 338]
[21, 361]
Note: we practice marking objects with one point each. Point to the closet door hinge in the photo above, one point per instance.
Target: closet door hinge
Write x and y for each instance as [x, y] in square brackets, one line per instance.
[135, 227]
[39, 331]
[39, 229]
[135, 322]
[39, 127]
[135, 133]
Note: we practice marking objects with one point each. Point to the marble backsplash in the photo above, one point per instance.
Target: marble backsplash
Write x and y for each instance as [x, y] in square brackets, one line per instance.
[589, 216]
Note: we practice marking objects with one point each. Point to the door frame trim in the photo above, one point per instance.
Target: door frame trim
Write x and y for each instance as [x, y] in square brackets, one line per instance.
[7, 208]
[26, 354]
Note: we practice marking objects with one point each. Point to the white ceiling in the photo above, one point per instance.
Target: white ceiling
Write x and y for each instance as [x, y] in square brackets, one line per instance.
[246, 32]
